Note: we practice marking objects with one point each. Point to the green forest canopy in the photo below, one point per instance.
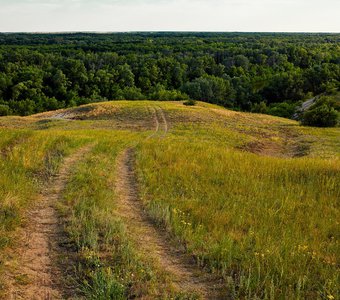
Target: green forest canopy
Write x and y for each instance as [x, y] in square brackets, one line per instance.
[40, 72]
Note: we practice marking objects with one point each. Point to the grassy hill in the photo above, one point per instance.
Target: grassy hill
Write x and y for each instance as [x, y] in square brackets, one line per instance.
[248, 201]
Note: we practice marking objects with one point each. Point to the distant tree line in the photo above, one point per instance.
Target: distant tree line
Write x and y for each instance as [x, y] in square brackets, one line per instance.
[243, 71]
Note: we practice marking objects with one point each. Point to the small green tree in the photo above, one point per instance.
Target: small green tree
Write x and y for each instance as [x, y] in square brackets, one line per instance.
[323, 113]
[160, 93]
[283, 109]
[260, 108]
[132, 93]
[190, 102]
[4, 110]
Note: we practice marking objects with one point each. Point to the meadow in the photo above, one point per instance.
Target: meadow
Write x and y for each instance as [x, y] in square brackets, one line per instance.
[253, 199]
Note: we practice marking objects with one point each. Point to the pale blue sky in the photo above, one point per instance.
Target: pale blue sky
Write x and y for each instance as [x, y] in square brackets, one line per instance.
[170, 15]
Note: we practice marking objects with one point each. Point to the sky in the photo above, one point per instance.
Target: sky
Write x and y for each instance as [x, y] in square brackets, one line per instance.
[170, 15]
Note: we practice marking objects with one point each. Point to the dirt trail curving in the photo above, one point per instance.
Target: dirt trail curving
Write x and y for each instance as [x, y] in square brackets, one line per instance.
[152, 240]
[37, 261]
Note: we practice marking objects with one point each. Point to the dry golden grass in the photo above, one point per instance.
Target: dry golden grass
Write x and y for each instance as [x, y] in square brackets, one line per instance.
[252, 197]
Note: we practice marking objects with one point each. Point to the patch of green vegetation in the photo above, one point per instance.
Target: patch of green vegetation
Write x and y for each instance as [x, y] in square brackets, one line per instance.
[325, 112]
[41, 72]
[110, 266]
[283, 109]
[267, 224]
[189, 103]
[256, 220]
[27, 160]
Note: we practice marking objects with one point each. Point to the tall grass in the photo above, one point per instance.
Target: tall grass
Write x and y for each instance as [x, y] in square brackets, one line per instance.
[270, 226]
[109, 265]
[28, 159]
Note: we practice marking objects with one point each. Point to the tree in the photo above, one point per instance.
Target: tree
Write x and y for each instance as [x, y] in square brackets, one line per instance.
[209, 88]
[131, 93]
[283, 109]
[75, 71]
[260, 108]
[56, 84]
[125, 76]
[324, 113]
[235, 70]
[160, 93]
[4, 110]
[5, 83]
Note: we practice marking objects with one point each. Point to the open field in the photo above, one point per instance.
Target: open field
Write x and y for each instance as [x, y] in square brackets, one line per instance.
[169, 202]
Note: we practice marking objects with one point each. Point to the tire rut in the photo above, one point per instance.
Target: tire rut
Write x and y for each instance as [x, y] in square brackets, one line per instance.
[156, 121]
[160, 115]
[153, 241]
[37, 262]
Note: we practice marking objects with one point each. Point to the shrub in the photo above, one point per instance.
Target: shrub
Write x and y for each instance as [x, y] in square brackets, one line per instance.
[160, 93]
[323, 113]
[132, 93]
[283, 109]
[320, 116]
[260, 108]
[4, 110]
[190, 102]
[210, 89]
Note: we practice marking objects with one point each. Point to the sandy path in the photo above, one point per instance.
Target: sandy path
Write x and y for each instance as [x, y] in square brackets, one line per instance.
[152, 240]
[37, 264]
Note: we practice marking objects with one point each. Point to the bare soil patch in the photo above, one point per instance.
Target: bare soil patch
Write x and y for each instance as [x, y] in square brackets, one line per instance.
[37, 263]
[153, 241]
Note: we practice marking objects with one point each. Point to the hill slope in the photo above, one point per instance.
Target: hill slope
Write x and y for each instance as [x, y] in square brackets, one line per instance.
[173, 202]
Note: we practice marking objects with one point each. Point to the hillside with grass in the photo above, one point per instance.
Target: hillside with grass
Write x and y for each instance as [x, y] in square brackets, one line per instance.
[158, 200]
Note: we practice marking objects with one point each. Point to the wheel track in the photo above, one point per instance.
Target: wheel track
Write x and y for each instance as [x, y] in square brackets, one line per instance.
[151, 240]
[160, 115]
[156, 121]
[37, 259]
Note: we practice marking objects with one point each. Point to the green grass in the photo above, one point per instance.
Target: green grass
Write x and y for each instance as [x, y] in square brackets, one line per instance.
[28, 159]
[268, 224]
[109, 265]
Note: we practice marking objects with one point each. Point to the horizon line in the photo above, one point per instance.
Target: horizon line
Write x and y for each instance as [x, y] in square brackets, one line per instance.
[162, 31]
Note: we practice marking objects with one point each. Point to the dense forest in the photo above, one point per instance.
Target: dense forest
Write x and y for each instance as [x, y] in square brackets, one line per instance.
[265, 72]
